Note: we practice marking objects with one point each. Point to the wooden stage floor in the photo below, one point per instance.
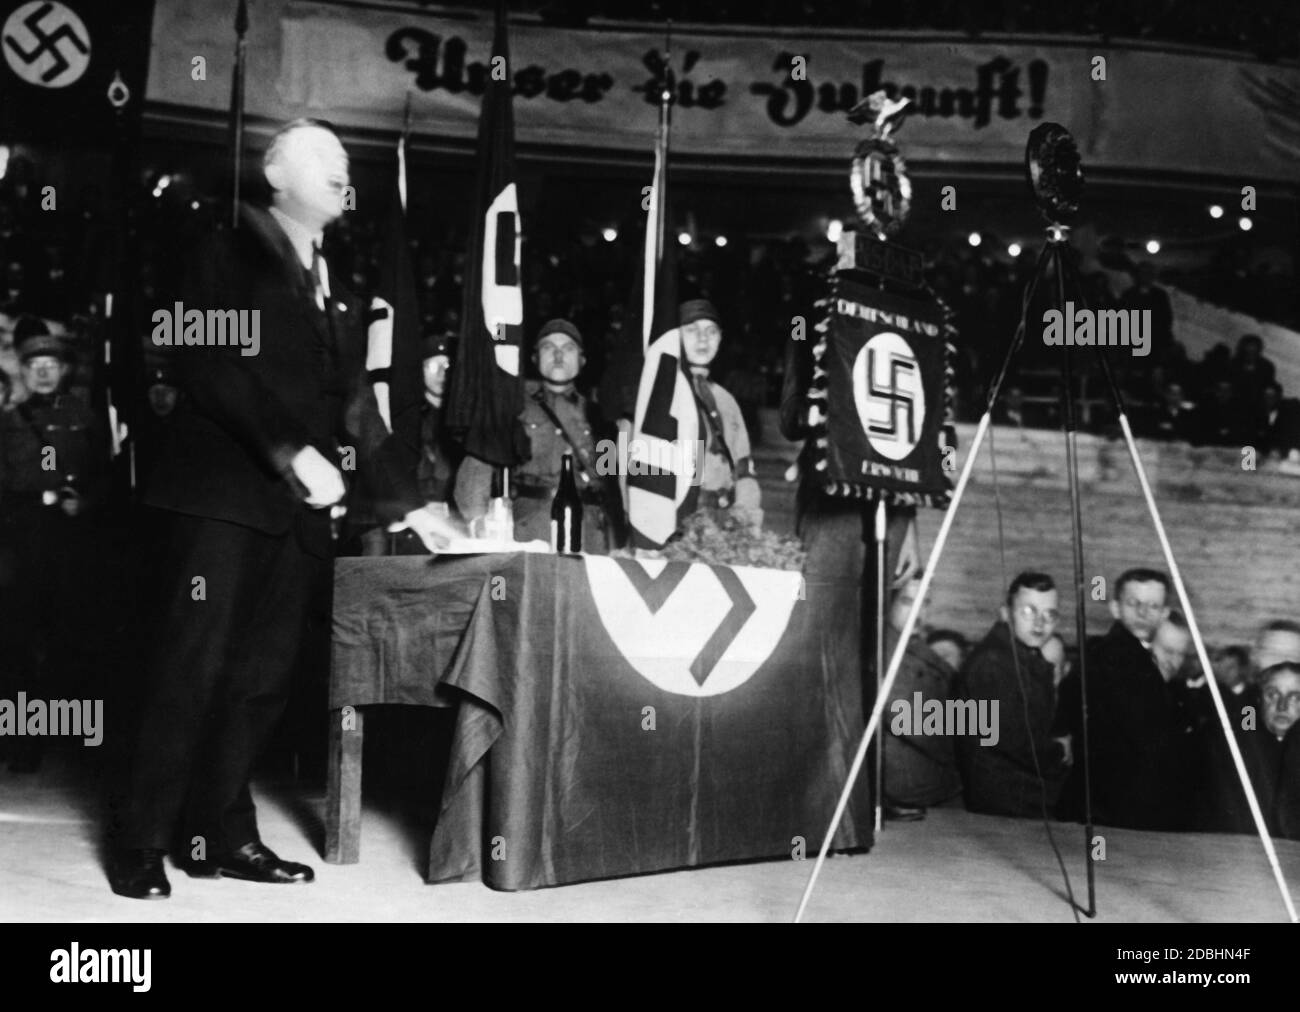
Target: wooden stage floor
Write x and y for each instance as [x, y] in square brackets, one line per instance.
[954, 866]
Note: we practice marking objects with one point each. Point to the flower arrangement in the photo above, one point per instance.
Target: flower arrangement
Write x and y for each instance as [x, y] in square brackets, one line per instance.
[729, 537]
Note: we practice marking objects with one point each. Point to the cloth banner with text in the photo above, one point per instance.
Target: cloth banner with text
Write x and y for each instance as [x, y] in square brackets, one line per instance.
[598, 87]
[883, 361]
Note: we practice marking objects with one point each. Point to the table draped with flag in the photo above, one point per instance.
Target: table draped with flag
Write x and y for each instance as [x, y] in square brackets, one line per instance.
[616, 716]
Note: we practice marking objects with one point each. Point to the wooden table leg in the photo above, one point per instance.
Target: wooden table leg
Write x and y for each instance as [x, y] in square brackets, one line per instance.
[343, 790]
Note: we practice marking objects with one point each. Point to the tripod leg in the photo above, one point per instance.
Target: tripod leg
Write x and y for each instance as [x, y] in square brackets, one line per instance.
[1080, 597]
[879, 644]
[1194, 628]
[896, 660]
[909, 626]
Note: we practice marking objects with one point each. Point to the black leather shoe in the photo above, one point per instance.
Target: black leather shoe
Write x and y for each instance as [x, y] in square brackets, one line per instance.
[139, 875]
[902, 813]
[255, 862]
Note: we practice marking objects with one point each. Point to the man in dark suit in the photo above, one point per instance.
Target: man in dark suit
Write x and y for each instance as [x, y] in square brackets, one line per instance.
[1021, 773]
[1138, 745]
[241, 497]
[1267, 750]
[1277, 422]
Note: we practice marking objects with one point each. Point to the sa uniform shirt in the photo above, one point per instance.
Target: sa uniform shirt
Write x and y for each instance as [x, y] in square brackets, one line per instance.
[59, 429]
[716, 473]
[547, 447]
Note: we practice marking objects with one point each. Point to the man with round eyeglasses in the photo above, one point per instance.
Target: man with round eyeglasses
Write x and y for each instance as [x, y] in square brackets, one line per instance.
[1271, 754]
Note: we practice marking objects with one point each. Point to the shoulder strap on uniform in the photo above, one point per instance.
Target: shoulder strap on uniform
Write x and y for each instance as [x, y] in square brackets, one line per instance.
[709, 409]
[539, 396]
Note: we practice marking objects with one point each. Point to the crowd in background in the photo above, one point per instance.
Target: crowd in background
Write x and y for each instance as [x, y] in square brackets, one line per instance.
[55, 266]
[1158, 757]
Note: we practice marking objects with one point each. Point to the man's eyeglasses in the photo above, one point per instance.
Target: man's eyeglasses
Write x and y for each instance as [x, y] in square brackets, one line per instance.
[1287, 700]
[1030, 613]
[1142, 607]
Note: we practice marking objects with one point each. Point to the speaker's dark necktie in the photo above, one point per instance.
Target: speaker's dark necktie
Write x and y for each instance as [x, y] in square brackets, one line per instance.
[316, 284]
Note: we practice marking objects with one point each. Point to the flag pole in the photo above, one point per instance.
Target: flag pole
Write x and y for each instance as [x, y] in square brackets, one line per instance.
[655, 222]
[401, 152]
[237, 106]
[665, 132]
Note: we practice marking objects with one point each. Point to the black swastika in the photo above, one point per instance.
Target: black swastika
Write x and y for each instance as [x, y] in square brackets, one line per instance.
[47, 42]
[897, 402]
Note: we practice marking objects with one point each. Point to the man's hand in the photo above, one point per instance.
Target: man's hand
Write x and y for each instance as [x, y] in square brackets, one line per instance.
[1066, 749]
[433, 529]
[909, 558]
[322, 479]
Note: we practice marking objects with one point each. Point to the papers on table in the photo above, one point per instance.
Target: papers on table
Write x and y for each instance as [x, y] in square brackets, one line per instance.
[486, 546]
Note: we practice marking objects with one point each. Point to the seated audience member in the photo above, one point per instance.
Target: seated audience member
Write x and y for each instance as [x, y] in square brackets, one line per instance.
[950, 645]
[1024, 770]
[1250, 372]
[920, 770]
[1280, 694]
[1277, 641]
[1277, 423]
[1232, 670]
[1218, 420]
[1171, 648]
[1173, 418]
[1232, 673]
[1215, 365]
[1137, 732]
[1270, 757]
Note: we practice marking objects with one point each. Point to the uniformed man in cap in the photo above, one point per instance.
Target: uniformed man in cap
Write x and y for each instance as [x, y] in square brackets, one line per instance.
[436, 471]
[155, 425]
[555, 420]
[53, 463]
[433, 459]
[727, 477]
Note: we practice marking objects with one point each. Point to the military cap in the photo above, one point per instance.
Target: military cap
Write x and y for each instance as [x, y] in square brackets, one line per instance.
[438, 344]
[560, 327]
[698, 309]
[32, 337]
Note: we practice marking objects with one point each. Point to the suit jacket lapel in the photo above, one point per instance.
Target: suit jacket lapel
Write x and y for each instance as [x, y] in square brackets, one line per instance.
[282, 253]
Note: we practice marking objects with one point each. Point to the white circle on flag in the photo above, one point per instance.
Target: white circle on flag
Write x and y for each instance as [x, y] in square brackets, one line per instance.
[663, 644]
[46, 44]
[890, 395]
